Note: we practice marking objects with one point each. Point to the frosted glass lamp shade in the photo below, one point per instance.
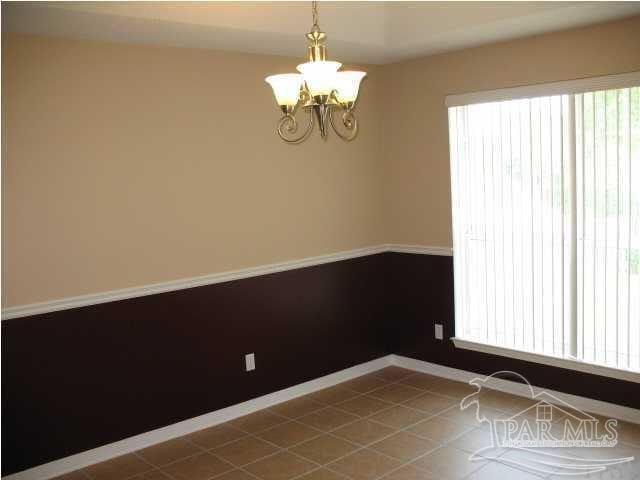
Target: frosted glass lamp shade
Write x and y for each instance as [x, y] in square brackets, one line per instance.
[286, 88]
[347, 85]
[320, 76]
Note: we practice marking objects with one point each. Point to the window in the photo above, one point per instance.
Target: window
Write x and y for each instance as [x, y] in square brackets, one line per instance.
[546, 219]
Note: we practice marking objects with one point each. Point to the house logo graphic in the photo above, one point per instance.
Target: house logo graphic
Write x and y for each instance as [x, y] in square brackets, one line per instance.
[546, 434]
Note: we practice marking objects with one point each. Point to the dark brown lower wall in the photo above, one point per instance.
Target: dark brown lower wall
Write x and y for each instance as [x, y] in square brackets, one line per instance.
[423, 296]
[77, 379]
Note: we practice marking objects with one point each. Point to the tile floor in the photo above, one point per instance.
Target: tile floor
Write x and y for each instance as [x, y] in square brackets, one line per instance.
[393, 424]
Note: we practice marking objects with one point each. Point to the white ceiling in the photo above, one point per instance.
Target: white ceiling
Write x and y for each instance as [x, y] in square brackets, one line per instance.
[370, 32]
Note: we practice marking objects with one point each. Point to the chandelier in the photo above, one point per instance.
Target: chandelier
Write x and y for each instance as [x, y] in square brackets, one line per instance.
[318, 89]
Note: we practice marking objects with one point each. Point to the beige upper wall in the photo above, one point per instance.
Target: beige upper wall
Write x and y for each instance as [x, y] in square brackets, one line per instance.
[128, 165]
[416, 186]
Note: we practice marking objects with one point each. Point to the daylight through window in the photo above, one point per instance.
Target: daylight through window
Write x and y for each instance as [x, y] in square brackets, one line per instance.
[546, 220]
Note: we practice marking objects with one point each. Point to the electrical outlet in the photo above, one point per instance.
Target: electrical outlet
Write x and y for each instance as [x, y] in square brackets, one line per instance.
[250, 361]
[439, 333]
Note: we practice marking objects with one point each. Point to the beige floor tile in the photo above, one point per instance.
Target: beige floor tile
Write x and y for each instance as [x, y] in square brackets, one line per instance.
[323, 474]
[75, 475]
[615, 472]
[468, 415]
[448, 463]
[245, 450]
[535, 460]
[324, 449]
[564, 412]
[409, 472]
[365, 465]
[423, 381]
[364, 432]
[627, 470]
[297, 407]
[363, 406]
[473, 440]
[498, 400]
[439, 429]
[198, 467]
[168, 452]
[328, 419]
[288, 434]
[451, 388]
[118, 468]
[333, 395]
[235, 475]
[621, 450]
[562, 421]
[400, 416]
[556, 430]
[392, 373]
[364, 384]
[426, 406]
[215, 436]
[602, 476]
[395, 393]
[530, 413]
[496, 470]
[431, 403]
[261, 420]
[521, 404]
[281, 466]
[628, 433]
[404, 446]
[153, 475]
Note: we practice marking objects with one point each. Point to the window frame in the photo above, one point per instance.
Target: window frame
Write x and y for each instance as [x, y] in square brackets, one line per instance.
[570, 87]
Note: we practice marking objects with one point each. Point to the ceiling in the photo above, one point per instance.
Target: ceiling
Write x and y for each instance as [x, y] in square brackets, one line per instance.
[369, 32]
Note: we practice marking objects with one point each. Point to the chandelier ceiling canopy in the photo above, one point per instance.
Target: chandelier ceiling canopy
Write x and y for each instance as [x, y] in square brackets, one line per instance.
[319, 89]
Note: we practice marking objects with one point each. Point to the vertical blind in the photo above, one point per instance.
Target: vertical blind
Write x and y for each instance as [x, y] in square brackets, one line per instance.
[546, 220]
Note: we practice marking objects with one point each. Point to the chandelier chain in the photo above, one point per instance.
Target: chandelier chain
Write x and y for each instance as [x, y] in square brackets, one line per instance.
[314, 12]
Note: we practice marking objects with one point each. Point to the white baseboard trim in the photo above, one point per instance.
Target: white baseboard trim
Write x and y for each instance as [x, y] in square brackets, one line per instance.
[582, 403]
[184, 283]
[131, 444]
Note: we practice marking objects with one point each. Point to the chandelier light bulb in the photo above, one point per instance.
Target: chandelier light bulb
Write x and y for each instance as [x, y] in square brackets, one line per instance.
[347, 85]
[320, 76]
[286, 88]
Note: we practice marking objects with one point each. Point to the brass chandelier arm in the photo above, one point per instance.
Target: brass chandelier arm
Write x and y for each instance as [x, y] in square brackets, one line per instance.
[350, 123]
[288, 126]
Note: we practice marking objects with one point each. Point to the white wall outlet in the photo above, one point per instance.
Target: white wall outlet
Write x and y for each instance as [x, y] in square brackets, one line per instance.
[439, 333]
[250, 361]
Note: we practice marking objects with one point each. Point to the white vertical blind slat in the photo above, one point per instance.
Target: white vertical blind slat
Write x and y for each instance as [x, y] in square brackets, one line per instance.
[618, 214]
[580, 164]
[629, 236]
[606, 227]
[593, 209]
